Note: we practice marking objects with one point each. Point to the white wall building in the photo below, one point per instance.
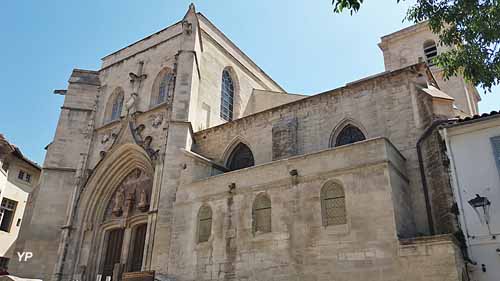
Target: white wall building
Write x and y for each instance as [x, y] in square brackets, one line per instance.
[473, 147]
[18, 177]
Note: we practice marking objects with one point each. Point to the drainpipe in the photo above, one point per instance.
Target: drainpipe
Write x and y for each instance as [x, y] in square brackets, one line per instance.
[425, 187]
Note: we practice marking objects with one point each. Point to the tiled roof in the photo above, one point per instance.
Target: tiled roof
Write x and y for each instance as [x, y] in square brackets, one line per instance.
[476, 117]
[7, 148]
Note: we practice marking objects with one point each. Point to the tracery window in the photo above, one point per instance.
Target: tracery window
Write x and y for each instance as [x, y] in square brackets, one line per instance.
[349, 134]
[430, 51]
[166, 88]
[116, 105]
[240, 158]
[227, 96]
[204, 223]
[261, 214]
[333, 204]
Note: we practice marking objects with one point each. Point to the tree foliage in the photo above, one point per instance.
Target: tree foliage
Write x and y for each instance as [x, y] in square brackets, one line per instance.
[471, 27]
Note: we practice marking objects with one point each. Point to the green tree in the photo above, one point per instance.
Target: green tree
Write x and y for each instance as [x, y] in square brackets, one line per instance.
[471, 27]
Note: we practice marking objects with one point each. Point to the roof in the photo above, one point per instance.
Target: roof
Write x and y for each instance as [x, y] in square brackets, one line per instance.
[210, 25]
[8, 148]
[474, 119]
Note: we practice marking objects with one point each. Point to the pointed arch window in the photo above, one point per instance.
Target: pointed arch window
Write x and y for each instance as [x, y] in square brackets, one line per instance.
[349, 134]
[165, 88]
[333, 209]
[430, 51]
[204, 223]
[261, 214]
[240, 158]
[227, 96]
[116, 106]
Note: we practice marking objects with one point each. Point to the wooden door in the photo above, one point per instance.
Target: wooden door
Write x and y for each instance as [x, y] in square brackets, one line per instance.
[138, 248]
[113, 252]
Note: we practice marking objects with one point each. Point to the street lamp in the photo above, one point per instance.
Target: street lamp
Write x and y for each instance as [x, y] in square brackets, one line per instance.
[481, 206]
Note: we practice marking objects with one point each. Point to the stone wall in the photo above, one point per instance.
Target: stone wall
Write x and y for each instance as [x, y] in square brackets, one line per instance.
[299, 247]
[405, 47]
[388, 105]
[58, 180]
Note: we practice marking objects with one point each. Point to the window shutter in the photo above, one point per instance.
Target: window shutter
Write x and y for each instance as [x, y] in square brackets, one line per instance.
[495, 142]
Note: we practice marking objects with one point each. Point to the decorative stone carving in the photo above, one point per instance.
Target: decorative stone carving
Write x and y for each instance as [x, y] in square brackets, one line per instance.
[129, 201]
[143, 204]
[118, 202]
[153, 154]
[156, 120]
[140, 129]
[187, 27]
[131, 103]
[132, 196]
[105, 138]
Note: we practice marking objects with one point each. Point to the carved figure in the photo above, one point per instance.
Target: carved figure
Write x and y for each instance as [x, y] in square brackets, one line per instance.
[143, 205]
[118, 204]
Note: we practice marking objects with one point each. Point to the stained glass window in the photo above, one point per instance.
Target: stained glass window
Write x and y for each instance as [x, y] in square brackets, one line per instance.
[227, 97]
[349, 134]
[117, 105]
[241, 157]
[166, 88]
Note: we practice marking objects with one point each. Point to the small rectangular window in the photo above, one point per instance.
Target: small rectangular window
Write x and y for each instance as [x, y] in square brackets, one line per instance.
[28, 177]
[7, 212]
[20, 175]
[18, 222]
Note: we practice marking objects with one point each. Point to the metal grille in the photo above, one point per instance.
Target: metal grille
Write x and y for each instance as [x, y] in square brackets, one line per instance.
[204, 223]
[227, 97]
[348, 135]
[262, 214]
[333, 204]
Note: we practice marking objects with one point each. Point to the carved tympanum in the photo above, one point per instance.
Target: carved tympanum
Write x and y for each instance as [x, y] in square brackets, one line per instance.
[131, 197]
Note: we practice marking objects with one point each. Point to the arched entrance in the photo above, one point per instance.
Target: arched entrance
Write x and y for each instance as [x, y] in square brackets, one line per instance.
[113, 216]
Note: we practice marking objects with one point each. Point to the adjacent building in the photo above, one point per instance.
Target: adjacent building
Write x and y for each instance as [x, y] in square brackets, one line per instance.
[18, 178]
[473, 148]
[181, 159]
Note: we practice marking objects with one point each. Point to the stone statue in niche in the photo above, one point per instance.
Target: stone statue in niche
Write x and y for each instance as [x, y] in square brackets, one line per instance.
[118, 202]
[143, 204]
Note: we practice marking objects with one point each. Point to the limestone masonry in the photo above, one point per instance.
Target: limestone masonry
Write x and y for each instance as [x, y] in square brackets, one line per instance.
[182, 159]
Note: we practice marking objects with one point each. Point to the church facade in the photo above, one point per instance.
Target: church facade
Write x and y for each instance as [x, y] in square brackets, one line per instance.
[181, 159]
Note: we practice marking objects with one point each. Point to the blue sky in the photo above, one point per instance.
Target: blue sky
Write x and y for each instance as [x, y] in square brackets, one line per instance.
[303, 45]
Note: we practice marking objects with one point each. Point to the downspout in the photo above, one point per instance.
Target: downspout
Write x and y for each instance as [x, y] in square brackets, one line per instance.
[423, 178]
